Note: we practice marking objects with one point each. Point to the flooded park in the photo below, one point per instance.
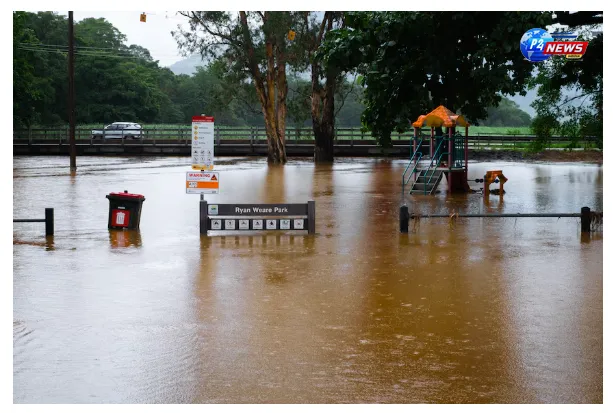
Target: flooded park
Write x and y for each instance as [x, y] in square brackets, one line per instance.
[470, 310]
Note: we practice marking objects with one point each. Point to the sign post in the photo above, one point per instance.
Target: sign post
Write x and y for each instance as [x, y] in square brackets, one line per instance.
[203, 142]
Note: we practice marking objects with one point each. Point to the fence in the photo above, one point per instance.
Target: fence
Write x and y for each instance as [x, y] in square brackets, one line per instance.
[257, 135]
[48, 220]
[589, 219]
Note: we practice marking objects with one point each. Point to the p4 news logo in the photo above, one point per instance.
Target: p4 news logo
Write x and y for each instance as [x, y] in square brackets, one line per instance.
[538, 45]
[570, 49]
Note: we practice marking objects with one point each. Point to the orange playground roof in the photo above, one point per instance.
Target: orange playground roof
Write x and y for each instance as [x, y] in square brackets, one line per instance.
[440, 116]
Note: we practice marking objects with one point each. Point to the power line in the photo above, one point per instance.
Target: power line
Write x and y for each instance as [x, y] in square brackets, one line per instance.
[88, 48]
[83, 53]
[126, 55]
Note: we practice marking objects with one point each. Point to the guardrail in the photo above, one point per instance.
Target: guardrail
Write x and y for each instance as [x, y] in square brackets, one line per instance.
[589, 218]
[257, 135]
[48, 220]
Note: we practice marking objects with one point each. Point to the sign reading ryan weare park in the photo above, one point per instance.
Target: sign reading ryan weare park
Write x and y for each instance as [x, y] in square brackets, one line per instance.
[258, 210]
[257, 217]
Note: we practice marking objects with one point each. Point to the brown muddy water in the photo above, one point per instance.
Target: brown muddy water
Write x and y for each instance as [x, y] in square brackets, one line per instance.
[476, 311]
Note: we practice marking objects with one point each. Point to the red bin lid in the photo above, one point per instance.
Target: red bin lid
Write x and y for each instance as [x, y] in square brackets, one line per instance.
[127, 195]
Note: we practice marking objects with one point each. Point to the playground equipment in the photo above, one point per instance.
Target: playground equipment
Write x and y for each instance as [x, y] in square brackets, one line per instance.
[447, 153]
[493, 176]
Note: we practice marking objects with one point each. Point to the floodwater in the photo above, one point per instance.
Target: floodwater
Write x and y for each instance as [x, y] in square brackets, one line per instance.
[471, 311]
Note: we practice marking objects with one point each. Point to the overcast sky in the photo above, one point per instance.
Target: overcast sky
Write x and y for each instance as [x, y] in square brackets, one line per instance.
[154, 35]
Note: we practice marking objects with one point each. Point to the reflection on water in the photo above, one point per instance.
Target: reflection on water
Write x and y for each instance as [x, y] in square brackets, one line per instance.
[477, 311]
[125, 238]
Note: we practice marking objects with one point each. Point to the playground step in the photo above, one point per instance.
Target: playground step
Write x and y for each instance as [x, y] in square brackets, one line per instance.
[427, 181]
[431, 176]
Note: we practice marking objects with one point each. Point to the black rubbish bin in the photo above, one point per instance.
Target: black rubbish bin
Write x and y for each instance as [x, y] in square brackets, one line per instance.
[124, 210]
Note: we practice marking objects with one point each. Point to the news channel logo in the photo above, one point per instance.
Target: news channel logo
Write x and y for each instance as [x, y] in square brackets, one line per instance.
[533, 43]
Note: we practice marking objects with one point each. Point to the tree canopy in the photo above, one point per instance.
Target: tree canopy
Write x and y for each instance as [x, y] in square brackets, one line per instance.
[577, 113]
[116, 81]
[411, 62]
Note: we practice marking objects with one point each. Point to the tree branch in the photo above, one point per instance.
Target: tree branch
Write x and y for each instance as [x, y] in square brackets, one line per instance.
[233, 41]
[345, 97]
[587, 94]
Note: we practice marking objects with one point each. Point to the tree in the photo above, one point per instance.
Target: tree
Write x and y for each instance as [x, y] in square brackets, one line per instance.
[25, 93]
[507, 113]
[254, 47]
[323, 94]
[411, 62]
[570, 93]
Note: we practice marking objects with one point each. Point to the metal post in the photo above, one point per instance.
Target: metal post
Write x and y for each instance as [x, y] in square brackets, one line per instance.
[404, 219]
[586, 219]
[311, 216]
[466, 152]
[449, 160]
[204, 211]
[49, 228]
[71, 94]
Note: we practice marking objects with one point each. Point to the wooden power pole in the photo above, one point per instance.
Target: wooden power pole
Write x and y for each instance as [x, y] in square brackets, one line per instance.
[71, 94]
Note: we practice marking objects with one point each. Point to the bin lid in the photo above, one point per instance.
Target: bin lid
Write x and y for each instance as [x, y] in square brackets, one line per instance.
[125, 194]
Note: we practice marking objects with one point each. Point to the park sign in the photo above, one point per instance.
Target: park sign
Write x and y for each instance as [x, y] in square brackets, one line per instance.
[250, 218]
[202, 182]
[203, 142]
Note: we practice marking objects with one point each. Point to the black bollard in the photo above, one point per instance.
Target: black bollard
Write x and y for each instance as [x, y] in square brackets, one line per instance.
[404, 219]
[204, 212]
[49, 227]
[586, 219]
[311, 216]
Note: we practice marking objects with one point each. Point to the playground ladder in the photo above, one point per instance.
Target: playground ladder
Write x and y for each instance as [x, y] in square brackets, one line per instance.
[428, 179]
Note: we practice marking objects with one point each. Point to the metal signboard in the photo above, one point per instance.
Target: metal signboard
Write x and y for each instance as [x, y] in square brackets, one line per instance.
[260, 209]
[202, 183]
[203, 142]
[257, 217]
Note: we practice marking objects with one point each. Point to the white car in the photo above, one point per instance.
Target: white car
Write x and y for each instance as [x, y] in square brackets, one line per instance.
[119, 130]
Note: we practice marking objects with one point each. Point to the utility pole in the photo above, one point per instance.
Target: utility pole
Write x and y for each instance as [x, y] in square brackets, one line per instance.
[71, 95]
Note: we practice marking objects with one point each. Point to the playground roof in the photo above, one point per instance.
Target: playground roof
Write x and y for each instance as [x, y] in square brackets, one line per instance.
[440, 116]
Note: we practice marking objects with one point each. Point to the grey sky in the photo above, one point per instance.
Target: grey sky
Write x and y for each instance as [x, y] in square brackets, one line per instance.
[153, 35]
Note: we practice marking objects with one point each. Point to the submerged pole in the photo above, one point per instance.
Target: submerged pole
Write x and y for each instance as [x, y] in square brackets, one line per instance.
[71, 95]
[404, 219]
[586, 219]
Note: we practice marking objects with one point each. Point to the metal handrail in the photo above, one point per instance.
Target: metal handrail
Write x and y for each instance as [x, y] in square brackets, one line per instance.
[411, 160]
[437, 162]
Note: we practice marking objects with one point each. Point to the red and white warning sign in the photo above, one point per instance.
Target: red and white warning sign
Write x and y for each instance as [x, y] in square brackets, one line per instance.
[202, 182]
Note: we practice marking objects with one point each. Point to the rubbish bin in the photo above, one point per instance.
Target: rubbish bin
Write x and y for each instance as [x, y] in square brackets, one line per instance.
[124, 210]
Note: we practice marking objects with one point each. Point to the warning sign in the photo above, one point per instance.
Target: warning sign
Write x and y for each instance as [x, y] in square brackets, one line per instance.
[202, 183]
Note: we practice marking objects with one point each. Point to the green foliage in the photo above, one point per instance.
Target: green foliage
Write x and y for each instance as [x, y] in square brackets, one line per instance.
[578, 113]
[411, 62]
[119, 82]
[507, 113]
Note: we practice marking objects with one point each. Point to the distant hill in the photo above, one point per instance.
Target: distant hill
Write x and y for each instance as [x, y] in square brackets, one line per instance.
[187, 66]
[524, 102]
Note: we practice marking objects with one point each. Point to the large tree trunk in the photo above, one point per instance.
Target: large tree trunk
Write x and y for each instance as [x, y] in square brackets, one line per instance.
[322, 104]
[281, 111]
[265, 86]
[322, 111]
